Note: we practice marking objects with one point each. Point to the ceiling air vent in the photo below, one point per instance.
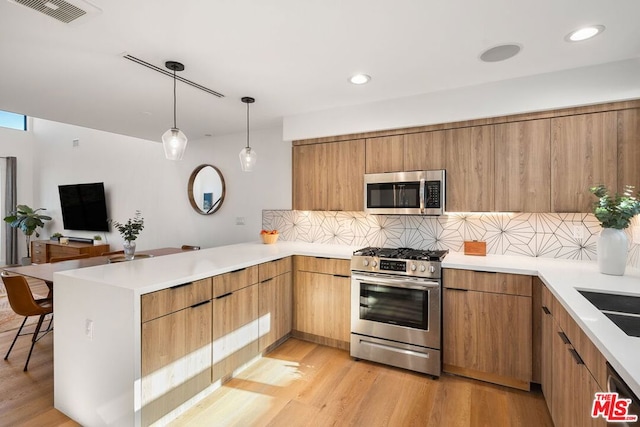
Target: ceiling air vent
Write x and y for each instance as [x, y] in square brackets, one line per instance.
[61, 10]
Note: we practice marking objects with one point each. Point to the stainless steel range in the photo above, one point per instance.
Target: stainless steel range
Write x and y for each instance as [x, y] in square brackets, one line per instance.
[395, 307]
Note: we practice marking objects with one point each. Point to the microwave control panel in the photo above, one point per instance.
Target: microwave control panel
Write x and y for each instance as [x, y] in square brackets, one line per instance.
[432, 194]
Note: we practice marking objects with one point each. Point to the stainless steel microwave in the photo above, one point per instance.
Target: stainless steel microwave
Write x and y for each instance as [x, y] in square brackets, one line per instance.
[405, 193]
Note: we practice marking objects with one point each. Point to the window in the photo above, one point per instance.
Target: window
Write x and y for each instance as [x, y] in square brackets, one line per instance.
[13, 120]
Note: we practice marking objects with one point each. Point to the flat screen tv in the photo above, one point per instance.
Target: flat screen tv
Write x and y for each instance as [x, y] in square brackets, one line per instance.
[84, 207]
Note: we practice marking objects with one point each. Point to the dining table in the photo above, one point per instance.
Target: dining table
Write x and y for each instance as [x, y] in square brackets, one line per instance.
[45, 271]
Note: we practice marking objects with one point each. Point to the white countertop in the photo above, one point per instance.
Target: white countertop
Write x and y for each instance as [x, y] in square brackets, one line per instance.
[562, 277]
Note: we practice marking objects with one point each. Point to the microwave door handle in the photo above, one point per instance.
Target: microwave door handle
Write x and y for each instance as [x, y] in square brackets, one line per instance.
[395, 198]
[422, 185]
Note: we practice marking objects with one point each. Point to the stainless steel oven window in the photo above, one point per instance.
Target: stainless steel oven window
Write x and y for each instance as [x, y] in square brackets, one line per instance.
[395, 306]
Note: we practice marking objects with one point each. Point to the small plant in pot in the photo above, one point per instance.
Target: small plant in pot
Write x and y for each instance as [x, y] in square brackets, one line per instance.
[55, 236]
[28, 220]
[129, 232]
[97, 240]
[615, 214]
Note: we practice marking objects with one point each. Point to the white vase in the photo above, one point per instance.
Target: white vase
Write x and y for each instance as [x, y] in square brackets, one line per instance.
[612, 251]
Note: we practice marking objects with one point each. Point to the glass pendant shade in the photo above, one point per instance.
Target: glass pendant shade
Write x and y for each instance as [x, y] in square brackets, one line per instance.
[248, 159]
[174, 142]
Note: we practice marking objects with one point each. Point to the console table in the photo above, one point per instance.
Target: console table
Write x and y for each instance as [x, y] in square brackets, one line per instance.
[43, 250]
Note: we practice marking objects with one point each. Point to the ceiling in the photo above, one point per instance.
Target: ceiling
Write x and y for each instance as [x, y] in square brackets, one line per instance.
[293, 56]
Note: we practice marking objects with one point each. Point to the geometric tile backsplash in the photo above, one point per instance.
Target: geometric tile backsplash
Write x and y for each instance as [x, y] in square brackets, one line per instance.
[549, 235]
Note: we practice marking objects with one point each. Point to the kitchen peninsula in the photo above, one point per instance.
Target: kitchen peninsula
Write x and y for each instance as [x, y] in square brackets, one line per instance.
[98, 352]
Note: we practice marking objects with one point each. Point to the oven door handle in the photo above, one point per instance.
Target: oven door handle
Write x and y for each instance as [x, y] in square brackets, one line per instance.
[397, 283]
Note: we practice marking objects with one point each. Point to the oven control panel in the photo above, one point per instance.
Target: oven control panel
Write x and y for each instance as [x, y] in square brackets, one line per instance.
[430, 269]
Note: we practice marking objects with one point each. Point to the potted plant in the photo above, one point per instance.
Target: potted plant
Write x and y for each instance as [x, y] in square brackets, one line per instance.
[28, 220]
[615, 214]
[129, 232]
[55, 236]
[97, 240]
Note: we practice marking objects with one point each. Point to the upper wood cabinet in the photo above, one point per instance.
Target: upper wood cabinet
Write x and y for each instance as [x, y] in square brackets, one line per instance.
[583, 154]
[345, 175]
[424, 151]
[629, 148]
[523, 166]
[385, 154]
[469, 161]
[329, 176]
[310, 177]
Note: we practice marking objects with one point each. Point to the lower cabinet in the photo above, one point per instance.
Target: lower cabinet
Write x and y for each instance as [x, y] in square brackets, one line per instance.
[322, 291]
[568, 383]
[276, 295]
[179, 342]
[235, 330]
[487, 326]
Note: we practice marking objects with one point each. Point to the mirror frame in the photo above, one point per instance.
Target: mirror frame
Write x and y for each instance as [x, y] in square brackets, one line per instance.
[192, 179]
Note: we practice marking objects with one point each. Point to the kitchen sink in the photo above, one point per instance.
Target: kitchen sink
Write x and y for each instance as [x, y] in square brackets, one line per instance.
[623, 310]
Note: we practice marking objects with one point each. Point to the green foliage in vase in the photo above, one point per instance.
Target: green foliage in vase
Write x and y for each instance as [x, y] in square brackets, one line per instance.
[28, 220]
[615, 211]
[130, 229]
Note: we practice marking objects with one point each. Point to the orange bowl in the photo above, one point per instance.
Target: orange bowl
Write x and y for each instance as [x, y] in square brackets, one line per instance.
[269, 239]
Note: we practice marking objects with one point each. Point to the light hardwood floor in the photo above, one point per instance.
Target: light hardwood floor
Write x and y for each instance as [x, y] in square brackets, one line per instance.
[298, 384]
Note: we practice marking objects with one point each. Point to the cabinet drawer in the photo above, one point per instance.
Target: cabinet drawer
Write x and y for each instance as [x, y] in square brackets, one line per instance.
[500, 283]
[274, 268]
[62, 250]
[160, 303]
[341, 267]
[238, 279]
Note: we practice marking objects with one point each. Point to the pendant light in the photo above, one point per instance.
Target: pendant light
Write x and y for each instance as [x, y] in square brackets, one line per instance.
[248, 156]
[174, 140]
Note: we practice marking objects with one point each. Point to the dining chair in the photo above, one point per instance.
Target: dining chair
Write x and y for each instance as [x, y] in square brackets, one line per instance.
[68, 258]
[24, 304]
[190, 248]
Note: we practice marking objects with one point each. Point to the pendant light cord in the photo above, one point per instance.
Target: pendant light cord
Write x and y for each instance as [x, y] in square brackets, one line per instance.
[249, 148]
[174, 99]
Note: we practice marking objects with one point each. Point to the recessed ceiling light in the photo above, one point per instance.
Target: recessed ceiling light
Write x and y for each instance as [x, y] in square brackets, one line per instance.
[500, 53]
[359, 79]
[584, 33]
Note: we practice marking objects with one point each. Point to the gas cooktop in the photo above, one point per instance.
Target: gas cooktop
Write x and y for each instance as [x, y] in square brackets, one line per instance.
[402, 253]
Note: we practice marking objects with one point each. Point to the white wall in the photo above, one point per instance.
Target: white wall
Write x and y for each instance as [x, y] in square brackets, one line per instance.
[138, 177]
[581, 86]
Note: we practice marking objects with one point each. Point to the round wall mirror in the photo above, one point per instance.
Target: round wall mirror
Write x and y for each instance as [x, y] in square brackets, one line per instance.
[206, 189]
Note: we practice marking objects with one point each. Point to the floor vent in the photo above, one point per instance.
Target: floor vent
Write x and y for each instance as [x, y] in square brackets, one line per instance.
[61, 10]
[166, 72]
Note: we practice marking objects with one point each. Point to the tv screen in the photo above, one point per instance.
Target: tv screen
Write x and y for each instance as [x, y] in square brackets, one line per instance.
[84, 207]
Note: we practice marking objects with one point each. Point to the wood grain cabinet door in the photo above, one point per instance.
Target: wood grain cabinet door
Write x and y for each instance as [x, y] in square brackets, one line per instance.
[470, 174]
[345, 175]
[176, 359]
[629, 148]
[310, 177]
[385, 154]
[424, 151]
[275, 309]
[235, 330]
[583, 154]
[487, 336]
[523, 166]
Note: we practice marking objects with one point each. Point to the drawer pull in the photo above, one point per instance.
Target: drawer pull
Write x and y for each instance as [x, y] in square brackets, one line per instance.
[546, 310]
[457, 289]
[267, 280]
[239, 270]
[564, 338]
[224, 295]
[322, 257]
[576, 356]
[486, 272]
[201, 303]
[342, 275]
[180, 285]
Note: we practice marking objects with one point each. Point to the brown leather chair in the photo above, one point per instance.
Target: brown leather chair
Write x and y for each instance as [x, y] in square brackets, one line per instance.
[68, 258]
[190, 248]
[23, 304]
